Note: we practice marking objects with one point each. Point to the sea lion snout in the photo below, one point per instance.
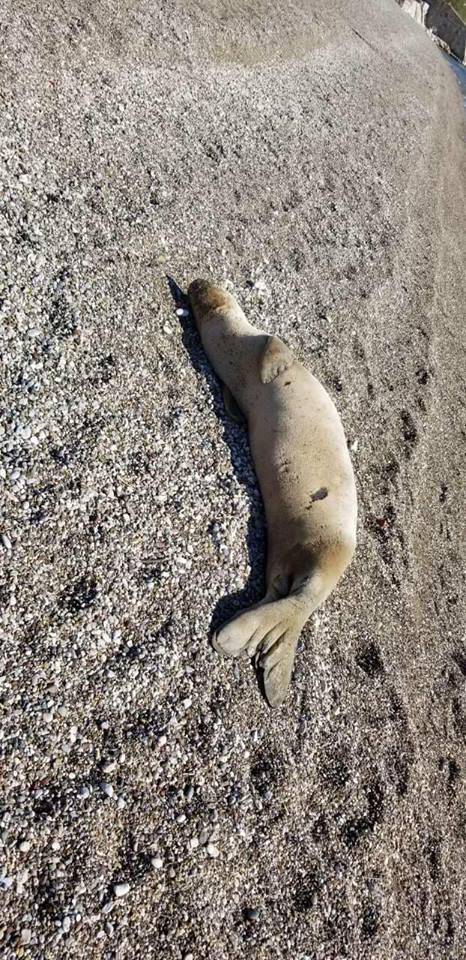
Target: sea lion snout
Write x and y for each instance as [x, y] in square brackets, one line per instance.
[204, 297]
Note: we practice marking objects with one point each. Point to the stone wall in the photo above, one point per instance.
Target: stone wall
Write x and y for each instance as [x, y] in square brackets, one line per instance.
[415, 9]
[446, 24]
[441, 20]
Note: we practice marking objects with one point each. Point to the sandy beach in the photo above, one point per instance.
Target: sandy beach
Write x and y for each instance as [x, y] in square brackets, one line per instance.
[311, 156]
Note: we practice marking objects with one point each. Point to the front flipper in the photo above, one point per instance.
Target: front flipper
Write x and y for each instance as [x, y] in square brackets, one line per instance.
[275, 358]
[232, 408]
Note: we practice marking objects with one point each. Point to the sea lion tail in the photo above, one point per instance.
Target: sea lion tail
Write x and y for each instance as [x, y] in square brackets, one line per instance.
[270, 632]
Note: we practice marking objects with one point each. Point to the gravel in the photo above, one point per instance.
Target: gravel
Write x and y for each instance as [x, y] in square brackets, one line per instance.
[311, 156]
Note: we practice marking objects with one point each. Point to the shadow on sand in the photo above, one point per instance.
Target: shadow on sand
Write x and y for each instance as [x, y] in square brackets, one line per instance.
[237, 440]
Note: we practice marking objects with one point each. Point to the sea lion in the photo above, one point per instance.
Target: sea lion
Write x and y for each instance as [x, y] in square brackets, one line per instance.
[305, 475]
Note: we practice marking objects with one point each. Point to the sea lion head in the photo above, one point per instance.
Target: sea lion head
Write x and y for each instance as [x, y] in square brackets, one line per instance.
[206, 298]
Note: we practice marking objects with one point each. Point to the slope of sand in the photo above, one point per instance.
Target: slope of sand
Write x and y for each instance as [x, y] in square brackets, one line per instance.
[313, 156]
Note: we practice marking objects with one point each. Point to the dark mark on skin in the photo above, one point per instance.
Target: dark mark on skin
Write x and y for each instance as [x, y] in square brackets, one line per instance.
[287, 383]
[320, 494]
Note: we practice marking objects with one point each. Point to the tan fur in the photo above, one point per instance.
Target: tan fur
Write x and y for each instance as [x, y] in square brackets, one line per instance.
[305, 476]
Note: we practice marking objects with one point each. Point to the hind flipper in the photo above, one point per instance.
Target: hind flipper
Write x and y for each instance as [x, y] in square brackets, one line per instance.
[277, 664]
[262, 629]
[242, 635]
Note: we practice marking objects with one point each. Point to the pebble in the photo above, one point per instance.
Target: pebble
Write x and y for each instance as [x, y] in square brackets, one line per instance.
[109, 767]
[182, 312]
[66, 925]
[107, 789]
[84, 793]
[6, 542]
[189, 791]
[26, 935]
[107, 907]
[25, 846]
[157, 863]
[251, 913]
[121, 889]
[212, 850]
[161, 741]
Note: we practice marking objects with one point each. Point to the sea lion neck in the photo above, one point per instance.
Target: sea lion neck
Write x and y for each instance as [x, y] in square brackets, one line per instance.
[235, 345]
[224, 330]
